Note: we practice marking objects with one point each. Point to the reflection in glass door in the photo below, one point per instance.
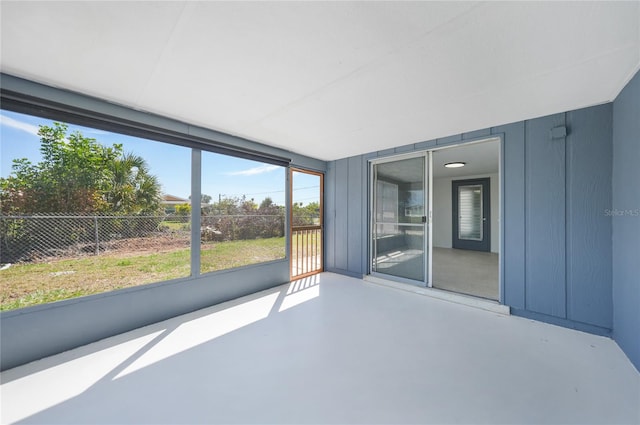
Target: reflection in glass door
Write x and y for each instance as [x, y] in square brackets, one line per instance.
[399, 219]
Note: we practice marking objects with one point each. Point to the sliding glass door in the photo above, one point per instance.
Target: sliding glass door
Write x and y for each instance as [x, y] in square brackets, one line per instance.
[399, 218]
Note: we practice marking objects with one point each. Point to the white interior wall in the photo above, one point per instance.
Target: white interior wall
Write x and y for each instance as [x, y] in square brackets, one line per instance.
[442, 210]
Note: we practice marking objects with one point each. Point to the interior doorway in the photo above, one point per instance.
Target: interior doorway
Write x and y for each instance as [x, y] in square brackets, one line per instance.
[435, 225]
[466, 214]
[306, 222]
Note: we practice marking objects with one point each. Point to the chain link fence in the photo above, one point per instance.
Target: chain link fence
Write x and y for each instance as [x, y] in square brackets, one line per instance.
[216, 227]
[36, 238]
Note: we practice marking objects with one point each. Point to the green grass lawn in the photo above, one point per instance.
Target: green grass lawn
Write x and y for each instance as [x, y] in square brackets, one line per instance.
[23, 285]
[219, 256]
[176, 226]
[305, 243]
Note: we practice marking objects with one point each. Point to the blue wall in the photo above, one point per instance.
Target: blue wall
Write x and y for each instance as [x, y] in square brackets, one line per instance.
[35, 332]
[626, 220]
[557, 239]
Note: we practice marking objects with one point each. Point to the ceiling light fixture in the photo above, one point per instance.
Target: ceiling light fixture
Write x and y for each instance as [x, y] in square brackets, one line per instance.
[456, 164]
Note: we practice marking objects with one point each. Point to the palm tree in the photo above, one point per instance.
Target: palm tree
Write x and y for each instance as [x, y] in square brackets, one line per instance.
[133, 190]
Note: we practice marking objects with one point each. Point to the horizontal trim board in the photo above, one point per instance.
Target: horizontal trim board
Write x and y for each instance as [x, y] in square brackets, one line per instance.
[344, 272]
[579, 326]
[31, 105]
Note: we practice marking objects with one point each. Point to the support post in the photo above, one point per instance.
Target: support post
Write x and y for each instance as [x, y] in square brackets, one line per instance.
[196, 164]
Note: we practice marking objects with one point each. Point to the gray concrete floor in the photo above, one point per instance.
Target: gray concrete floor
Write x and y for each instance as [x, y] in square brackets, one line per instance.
[332, 349]
[467, 272]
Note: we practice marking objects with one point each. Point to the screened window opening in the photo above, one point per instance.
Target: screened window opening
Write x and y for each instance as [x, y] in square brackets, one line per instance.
[242, 212]
[85, 211]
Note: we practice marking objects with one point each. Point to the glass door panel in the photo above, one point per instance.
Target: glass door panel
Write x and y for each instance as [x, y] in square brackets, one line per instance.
[470, 214]
[398, 219]
[399, 251]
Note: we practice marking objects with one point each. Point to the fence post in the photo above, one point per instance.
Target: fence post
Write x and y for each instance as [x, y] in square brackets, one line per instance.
[95, 219]
[233, 227]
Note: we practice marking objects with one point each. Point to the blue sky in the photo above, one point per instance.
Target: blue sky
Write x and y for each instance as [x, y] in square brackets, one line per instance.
[221, 175]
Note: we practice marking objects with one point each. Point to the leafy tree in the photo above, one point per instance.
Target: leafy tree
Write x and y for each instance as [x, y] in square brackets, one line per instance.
[265, 204]
[204, 198]
[305, 215]
[248, 207]
[268, 207]
[241, 218]
[79, 175]
[227, 206]
[71, 178]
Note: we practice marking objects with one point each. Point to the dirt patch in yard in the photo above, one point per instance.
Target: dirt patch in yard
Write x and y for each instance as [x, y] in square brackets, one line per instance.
[136, 246]
[124, 263]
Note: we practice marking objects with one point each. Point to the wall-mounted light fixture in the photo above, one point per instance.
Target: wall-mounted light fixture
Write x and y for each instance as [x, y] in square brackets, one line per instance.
[456, 164]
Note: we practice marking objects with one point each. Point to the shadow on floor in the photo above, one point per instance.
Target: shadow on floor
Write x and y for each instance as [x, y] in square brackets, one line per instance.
[333, 349]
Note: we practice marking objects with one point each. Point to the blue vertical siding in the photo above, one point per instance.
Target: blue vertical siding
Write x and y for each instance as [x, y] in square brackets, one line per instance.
[588, 232]
[341, 248]
[345, 209]
[513, 219]
[557, 240]
[329, 217]
[450, 140]
[545, 217]
[475, 135]
[356, 190]
[626, 220]
[424, 145]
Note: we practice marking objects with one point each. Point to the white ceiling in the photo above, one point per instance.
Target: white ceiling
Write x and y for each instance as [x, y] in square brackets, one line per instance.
[480, 159]
[330, 79]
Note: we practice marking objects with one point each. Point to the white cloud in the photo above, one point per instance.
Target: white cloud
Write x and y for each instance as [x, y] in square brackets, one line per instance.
[253, 171]
[10, 122]
[97, 132]
[92, 131]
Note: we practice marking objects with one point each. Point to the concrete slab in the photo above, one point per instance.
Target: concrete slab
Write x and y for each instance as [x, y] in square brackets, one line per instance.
[332, 349]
